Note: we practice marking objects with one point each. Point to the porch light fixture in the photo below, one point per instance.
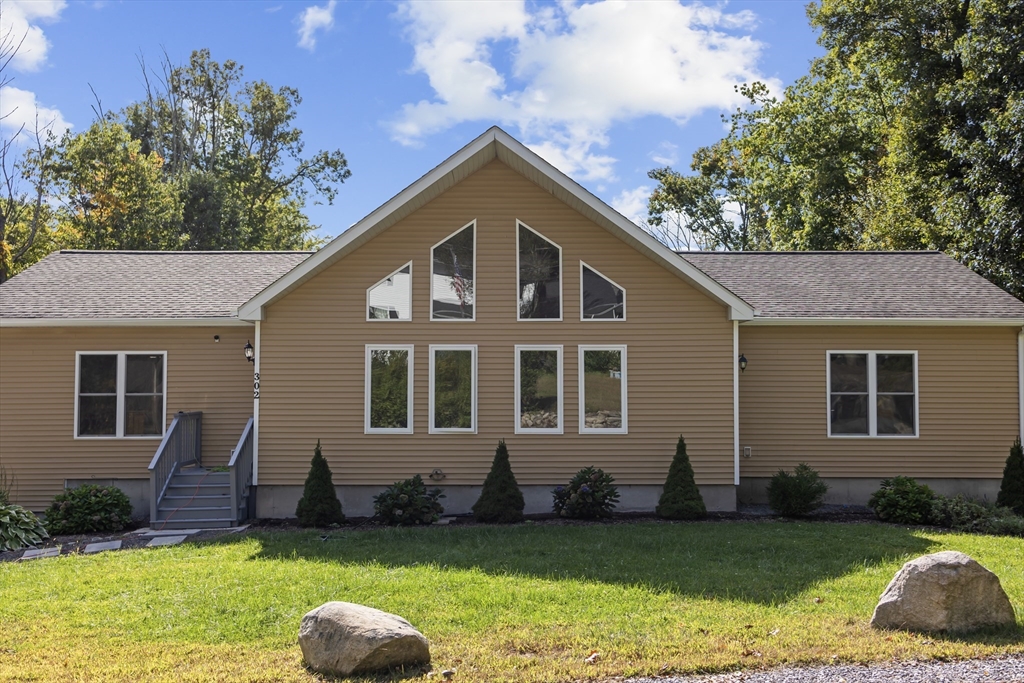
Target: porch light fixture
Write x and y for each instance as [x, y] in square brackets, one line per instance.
[743, 362]
[250, 353]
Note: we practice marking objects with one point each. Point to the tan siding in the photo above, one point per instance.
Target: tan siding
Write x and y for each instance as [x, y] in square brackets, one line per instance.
[37, 401]
[312, 362]
[968, 402]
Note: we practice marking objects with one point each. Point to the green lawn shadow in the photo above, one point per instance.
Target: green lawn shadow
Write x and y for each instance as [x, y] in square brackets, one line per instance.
[757, 562]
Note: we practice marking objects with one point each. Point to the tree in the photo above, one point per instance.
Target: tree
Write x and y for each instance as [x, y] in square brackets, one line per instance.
[500, 500]
[1011, 490]
[319, 505]
[681, 499]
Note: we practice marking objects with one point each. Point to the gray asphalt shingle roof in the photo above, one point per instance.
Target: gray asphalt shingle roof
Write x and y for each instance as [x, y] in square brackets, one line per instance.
[137, 284]
[857, 284]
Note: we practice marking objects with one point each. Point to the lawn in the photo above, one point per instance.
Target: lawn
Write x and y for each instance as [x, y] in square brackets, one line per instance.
[523, 603]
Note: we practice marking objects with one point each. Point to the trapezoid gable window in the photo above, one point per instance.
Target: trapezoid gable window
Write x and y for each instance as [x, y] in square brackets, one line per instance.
[391, 298]
[872, 393]
[388, 408]
[120, 394]
[600, 297]
[540, 275]
[452, 281]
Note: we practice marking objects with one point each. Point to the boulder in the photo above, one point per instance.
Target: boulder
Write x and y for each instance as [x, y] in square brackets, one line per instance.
[342, 638]
[945, 591]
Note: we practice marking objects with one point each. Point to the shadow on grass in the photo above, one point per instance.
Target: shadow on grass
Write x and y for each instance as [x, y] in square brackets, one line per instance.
[764, 563]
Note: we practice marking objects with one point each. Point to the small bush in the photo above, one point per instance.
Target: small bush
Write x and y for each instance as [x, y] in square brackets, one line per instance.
[681, 499]
[87, 509]
[1002, 523]
[797, 494]
[319, 505]
[902, 500]
[501, 501]
[1011, 491]
[19, 528]
[589, 495]
[959, 512]
[408, 502]
[6, 484]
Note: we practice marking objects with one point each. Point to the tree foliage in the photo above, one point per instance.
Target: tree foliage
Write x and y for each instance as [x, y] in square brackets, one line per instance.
[680, 498]
[319, 505]
[500, 500]
[907, 134]
[1011, 489]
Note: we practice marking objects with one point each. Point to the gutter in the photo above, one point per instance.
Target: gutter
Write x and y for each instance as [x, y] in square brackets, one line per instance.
[124, 322]
[888, 322]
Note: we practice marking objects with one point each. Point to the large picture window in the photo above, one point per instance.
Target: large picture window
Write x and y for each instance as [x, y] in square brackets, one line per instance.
[391, 298]
[539, 389]
[452, 283]
[540, 276]
[120, 394]
[602, 389]
[600, 297]
[452, 389]
[388, 407]
[872, 393]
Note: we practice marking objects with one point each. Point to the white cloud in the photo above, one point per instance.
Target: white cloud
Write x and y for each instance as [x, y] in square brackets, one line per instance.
[574, 70]
[313, 19]
[633, 203]
[18, 28]
[667, 154]
[20, 108]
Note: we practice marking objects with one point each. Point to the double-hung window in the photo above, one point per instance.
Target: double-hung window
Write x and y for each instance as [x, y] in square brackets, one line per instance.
[539, 389]
[872, 393]
[119, 394]
[388, 408]
[602, 389]
[452, 388]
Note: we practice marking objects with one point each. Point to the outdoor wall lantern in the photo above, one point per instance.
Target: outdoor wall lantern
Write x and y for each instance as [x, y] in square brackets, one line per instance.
[743, 362]
[250, 353]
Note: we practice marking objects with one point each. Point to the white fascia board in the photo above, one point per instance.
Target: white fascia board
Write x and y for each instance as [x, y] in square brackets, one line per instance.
[351, 238]
[891, 322]
[124, 322]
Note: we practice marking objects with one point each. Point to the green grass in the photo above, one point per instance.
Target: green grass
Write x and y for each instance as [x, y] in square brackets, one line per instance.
[523, 603]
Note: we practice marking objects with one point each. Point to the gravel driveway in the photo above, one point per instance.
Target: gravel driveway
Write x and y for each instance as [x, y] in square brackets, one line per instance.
[1008, 669]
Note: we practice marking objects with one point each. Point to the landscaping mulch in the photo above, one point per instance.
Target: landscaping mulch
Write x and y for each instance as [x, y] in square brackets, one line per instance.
[75, 544]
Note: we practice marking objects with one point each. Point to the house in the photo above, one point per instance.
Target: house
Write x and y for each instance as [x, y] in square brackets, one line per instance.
[496, 298]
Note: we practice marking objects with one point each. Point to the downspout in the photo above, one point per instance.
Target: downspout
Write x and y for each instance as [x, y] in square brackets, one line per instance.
[256, 409]
[1020, 379]
[736, 401]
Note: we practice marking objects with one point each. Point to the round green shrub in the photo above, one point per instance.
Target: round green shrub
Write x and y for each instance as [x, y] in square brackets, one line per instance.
[408, 502]
[501, 501]
[19, 528]
[796, 494]
[902, 500]
[589, 495]
[87, 509]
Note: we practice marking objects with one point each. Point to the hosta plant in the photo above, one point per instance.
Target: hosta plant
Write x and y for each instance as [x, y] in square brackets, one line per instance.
[19, 528]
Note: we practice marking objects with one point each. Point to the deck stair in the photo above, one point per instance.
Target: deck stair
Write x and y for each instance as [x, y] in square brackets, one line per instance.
[198, 497]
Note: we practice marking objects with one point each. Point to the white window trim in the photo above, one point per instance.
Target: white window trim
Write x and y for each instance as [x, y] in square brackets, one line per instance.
[560, 429]
[367, 386]
[561, 277]
[473, 396]
[121, 367]
[872, 396]
[382, 281]
[621, 348]
[602, 320]
[472, 224]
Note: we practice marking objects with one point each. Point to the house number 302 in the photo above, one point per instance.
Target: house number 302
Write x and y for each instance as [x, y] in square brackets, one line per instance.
[255, 385]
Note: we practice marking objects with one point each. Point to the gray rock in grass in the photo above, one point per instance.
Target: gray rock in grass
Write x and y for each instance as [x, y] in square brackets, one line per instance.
[342, 638]
[946, 591]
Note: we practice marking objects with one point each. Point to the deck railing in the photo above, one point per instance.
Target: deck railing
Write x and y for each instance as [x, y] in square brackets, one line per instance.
[240, 471]
[181, 446]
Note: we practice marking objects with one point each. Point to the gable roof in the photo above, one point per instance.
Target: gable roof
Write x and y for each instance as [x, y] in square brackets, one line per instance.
[494, 144]
[859, 285]
[139, 287]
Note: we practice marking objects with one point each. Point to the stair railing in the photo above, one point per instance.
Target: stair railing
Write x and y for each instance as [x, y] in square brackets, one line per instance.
[181, 446]
[240, 470]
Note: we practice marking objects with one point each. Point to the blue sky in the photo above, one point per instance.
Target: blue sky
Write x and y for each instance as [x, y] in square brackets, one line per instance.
[603, 90]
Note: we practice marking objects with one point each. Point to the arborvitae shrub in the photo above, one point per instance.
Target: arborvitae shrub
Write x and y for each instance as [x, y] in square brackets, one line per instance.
[797, 494]
[88, 508]
[1011, 491]
[501, 501]
[408, 502]
[590, 494]
[681, 499]
[902, 500]
[319, 505]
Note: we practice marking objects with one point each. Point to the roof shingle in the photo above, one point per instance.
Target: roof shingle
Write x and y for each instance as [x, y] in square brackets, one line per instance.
[858, 284]
[163, 285]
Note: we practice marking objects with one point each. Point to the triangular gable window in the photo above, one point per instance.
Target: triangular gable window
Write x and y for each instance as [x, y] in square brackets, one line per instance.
[600, 298]
[391, 298]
